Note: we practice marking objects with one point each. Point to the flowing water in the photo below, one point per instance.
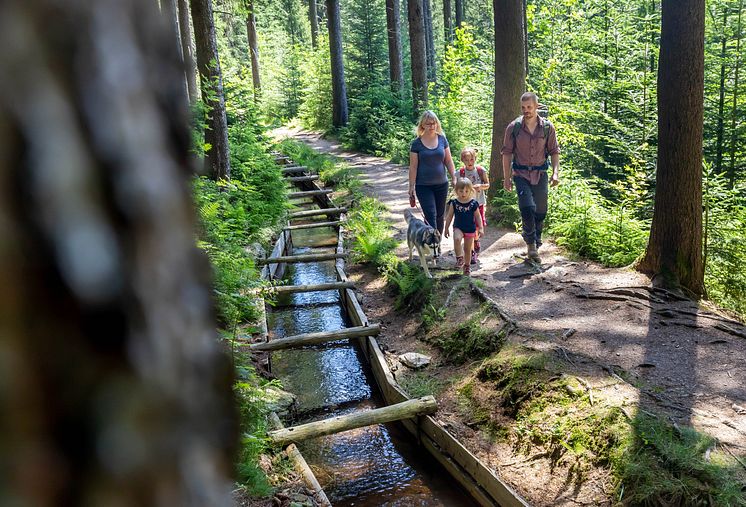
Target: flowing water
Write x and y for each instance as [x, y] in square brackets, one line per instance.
[371, 466]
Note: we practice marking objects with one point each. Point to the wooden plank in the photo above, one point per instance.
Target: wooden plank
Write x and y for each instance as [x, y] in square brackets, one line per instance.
[294, 169]
[466, 481]
[302, 340]
[497, 489]
[309, 193]
[340, 423]
[297, 179]
[293, 289]
[503, 494]
[313, 225]
[317, 212]
[301, 466]
[293, 259]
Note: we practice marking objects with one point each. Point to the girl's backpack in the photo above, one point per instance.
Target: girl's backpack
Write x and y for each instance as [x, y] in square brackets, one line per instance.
[480, 172]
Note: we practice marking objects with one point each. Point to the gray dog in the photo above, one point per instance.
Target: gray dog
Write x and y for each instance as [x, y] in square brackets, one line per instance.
[424, 237]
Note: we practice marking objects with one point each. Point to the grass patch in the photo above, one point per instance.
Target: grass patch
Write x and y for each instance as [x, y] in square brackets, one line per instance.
[521, 395]
[421, 383]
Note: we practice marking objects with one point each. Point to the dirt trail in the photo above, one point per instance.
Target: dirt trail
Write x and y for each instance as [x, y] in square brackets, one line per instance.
[672, 349]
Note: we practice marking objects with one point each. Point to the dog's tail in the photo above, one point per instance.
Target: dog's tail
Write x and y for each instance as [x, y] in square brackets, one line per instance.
[408, 215]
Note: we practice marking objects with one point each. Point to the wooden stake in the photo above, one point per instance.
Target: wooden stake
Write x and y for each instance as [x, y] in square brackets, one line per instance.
[312, 177]
[309, 193]
[405, 410]
[294, 169]
[292, 289]
[302, 466]
[317, 212]
[294, 259]
[302, 340]
[312, 226]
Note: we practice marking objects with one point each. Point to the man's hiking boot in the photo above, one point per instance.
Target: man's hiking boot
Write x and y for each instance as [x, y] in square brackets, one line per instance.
[532, 253]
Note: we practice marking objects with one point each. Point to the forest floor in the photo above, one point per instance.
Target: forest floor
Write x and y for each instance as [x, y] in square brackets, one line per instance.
[629, 345]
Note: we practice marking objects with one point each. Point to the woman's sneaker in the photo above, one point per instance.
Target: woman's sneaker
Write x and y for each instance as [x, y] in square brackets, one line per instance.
[467, 270]
[459, 261]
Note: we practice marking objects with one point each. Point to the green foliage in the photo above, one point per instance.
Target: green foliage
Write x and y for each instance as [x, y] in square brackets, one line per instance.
[469, 341]
[372, 235]
[413, 288]
[465, 114]
[589, 224]
[725, 237]
[668, 465]
[253, 412]
[364, 44]
[377, 125]
[316, 110]
[234, 214]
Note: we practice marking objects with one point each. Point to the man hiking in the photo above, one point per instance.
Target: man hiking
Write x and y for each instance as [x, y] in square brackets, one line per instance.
[529, 140]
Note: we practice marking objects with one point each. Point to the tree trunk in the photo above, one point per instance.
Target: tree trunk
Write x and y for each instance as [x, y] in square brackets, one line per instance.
[525, 36]
[447, 23]
[408, 409]
[417, 55]
[675, 247]
[721, 100]
[734, 116]
[113, 389]
[510, 78]
[254, 49]
[171, 12]
[339, 90]
[396, 72]
[429, 43]
[190, 67]
[459, 13]
[217, 157]
[313, 18]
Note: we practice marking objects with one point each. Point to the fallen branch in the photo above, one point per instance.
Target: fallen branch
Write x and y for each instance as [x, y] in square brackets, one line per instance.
[405, 410]
[487, 299]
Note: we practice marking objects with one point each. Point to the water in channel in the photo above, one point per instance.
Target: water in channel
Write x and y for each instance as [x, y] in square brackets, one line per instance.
[371, 466]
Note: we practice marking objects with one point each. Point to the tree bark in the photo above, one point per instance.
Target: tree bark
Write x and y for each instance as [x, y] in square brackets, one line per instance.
[339, 90]
[217, 156]
[734, 116]
[429, 43]
[404, 410]
[459, 13]
[113, 389]
[303, 340]
[171, 12]
[417, 55]
[254, 49]
[447, 23]
[510, 78]
[674, 252]
[313, 18]
[396, 71]
[190, 67]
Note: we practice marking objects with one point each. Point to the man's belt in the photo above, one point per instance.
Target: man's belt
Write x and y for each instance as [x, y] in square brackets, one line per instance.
[542, 167]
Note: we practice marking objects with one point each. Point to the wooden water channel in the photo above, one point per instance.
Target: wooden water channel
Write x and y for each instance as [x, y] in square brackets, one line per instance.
[481, 483]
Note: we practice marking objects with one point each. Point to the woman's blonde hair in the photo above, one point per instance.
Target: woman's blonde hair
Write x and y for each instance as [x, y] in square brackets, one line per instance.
[424, 118]
[468, 151]
[465, 183]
